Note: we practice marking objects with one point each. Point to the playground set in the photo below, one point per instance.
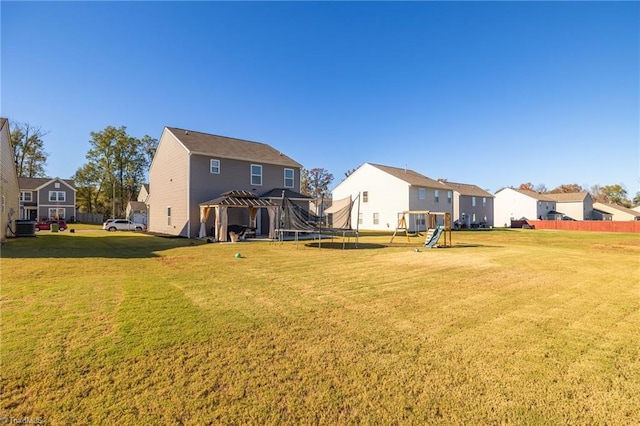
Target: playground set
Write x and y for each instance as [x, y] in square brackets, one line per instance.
[434, 231]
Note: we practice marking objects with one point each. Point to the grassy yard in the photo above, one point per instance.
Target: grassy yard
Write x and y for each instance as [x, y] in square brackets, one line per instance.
[506, 327]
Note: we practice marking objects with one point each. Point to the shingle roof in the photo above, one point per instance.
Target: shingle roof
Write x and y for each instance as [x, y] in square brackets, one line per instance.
[568, 197]
[536, 195]
[608, 207]
[409, 176]
[288, 193]
[467, 189]
[238, 198]
[232, 148]
[33, 183]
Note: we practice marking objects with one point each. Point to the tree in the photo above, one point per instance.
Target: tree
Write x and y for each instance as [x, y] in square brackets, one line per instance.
[567, 189]
[616, 194]
[636, 199]
[315, 182]
[527, 186]
[28, 147]
[117, 166]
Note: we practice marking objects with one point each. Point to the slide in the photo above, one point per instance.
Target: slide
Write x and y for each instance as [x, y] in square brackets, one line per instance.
[435, 236]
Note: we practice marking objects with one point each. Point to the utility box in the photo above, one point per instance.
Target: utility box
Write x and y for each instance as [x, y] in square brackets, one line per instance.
[25, 228]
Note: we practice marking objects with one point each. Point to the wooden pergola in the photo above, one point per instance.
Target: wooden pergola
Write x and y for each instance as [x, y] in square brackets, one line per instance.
[235, 200]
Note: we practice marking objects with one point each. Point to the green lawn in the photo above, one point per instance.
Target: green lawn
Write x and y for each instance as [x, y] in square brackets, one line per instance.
[507, 326]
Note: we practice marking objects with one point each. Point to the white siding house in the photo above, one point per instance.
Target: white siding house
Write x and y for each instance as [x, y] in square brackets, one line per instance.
[510, 203]
[576, 205]
[385, 191]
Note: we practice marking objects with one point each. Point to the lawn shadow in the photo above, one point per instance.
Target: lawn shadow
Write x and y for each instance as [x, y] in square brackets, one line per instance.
[70, 246]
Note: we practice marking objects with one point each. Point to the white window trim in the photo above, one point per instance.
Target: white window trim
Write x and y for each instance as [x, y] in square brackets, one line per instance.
[23, 197]
[292, 178]
[436, 195]
[168, 215]
[422, 194]
[211, 162]
[256, 175]
[64, 196]
[56, 211]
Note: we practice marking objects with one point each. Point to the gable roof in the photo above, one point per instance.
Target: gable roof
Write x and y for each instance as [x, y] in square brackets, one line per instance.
[466, 189]
[569, 197]
[532, 194]
[288, 193]
[230, 148]
[36, 183]
[3, 121]
[612, 208]
[409, 176]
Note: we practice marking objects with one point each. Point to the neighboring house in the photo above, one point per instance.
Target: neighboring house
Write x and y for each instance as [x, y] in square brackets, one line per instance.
[472, 205]
[576, 205]
[386, 191]
[47, 198]
[190, 168]
[511, 203]
[137, 210]
[9, 189]
[606, 211]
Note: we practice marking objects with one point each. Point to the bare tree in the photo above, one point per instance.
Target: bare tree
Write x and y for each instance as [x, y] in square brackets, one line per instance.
[28, 148]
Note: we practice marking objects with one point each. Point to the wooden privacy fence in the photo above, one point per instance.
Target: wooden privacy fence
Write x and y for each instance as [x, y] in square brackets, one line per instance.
[89, 217]
[632, 226]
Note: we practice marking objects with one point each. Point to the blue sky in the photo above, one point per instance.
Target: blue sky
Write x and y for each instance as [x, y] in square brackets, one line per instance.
[489, 93]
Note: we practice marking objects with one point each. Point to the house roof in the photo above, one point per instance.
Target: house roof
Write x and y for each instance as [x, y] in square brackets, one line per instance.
[231, 148]
[612, 208]
[137, 205]
[36, 183]
[238, 199]
[466, 189]
[569, 197]
[277, 193]
[533, 194]
[409, 176]
[3, 121]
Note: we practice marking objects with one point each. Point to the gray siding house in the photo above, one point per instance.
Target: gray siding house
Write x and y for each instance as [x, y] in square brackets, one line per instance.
[47, 198]
[8, 183]
[472, 205]
[192, 167]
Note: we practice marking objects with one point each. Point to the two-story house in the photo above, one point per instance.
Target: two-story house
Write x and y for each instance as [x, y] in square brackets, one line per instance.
[9, 189]
[515, 204]
[472, 205]
[47, 198]
[576, 205]
[386, 191]
[190, 168]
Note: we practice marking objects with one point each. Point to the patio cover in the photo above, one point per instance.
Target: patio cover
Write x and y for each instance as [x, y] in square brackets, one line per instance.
[235, 199]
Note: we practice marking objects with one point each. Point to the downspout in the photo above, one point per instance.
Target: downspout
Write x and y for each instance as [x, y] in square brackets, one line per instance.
[189, 196]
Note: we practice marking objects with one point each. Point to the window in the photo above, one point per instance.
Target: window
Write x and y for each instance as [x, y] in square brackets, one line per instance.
[376, 218]
[169, 216]
[56, 213]
[256, 174]
[4, 205]
[56, 185]
[449, 196]
[473, 201]
[365, 197]
[473, 218]
[360, 218]
[484, 201]
[437, 195]
[214, 166]
[26, 196]
[288, 178]
[56, 196]
[422, 193]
